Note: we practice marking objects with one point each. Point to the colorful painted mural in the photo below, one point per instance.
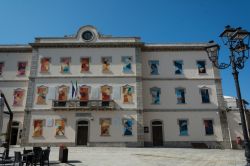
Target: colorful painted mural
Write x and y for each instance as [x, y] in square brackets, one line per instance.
[84, 64]
[105, 125]
[84, 93]
[65, 65]
[106, 92]
[18, 97]
[155, 95]
[106, 61]
[38, 128]
[127, 91]
[127, 64]
[41, 95]
[63, 93]
[60, 127]
[45, 63]
[128, 127]
[21, 68]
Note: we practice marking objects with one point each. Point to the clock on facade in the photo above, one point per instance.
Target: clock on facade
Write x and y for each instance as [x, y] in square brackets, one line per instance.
[87, 35]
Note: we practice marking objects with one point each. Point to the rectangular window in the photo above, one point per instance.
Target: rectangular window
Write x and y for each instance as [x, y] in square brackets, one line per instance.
[1, 67]
[106, 61]
[65, 65]
[155, 95]
[21, 68]
[85, 64]
[209, 129]
[178, 67]
[180, 95]
[183, 126]
[154, 64]
[127, 64]
[205, 96]
[45, 63]
[201, 66]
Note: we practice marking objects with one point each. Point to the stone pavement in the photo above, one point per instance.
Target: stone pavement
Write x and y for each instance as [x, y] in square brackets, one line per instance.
[112, 156]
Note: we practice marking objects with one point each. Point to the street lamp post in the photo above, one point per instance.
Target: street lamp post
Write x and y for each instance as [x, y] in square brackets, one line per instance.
[237, 40]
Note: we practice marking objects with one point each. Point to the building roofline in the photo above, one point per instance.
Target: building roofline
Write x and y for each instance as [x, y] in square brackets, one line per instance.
[91, 45]
[174, 46]
[15, 48]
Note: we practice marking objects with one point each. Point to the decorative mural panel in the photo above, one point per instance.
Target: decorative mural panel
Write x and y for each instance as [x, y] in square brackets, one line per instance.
[60, 127]
[155, 95]
[45, 64]
[128, 127]
[105, 126]
[154, 64]
[21, 68]
[65, 65]
[127, 64]
[38, 128]
[106, 92]
[127, 92]
[63, 92]
[18, 97]
[41, 95]
[84, 93]
[85, 64]
[1, 67]
[106, 61]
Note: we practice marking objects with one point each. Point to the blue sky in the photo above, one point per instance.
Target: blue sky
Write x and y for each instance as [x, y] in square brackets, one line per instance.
[155, 21]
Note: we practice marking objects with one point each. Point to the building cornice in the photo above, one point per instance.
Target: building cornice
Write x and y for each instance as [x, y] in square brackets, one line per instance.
[181, 110]
[16, 48]
[88, 45]
[175, 79]
[174, 47]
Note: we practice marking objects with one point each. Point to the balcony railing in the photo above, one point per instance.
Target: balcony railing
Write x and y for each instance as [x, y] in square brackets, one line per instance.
[83, 105]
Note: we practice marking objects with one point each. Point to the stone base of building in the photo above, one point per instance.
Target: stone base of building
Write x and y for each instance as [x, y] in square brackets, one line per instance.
[236, 146]
[90, 144]
[190, 144]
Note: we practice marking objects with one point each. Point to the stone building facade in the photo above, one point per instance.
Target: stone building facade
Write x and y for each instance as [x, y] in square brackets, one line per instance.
[97, 90]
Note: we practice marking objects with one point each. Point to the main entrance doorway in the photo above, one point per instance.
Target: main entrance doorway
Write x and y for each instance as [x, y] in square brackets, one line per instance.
[82, 132]
[14, 133]
[157, 133]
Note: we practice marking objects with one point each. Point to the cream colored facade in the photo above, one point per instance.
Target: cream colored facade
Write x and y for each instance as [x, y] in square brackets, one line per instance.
[152, 124]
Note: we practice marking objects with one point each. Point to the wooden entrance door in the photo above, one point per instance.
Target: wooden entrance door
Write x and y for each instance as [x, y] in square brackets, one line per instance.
[82, 132]
[157, 133]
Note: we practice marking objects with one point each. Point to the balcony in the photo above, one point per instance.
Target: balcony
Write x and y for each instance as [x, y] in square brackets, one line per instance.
[76, 105]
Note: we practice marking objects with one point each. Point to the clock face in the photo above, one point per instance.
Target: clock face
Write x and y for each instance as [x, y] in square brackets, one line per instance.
[87, 35]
